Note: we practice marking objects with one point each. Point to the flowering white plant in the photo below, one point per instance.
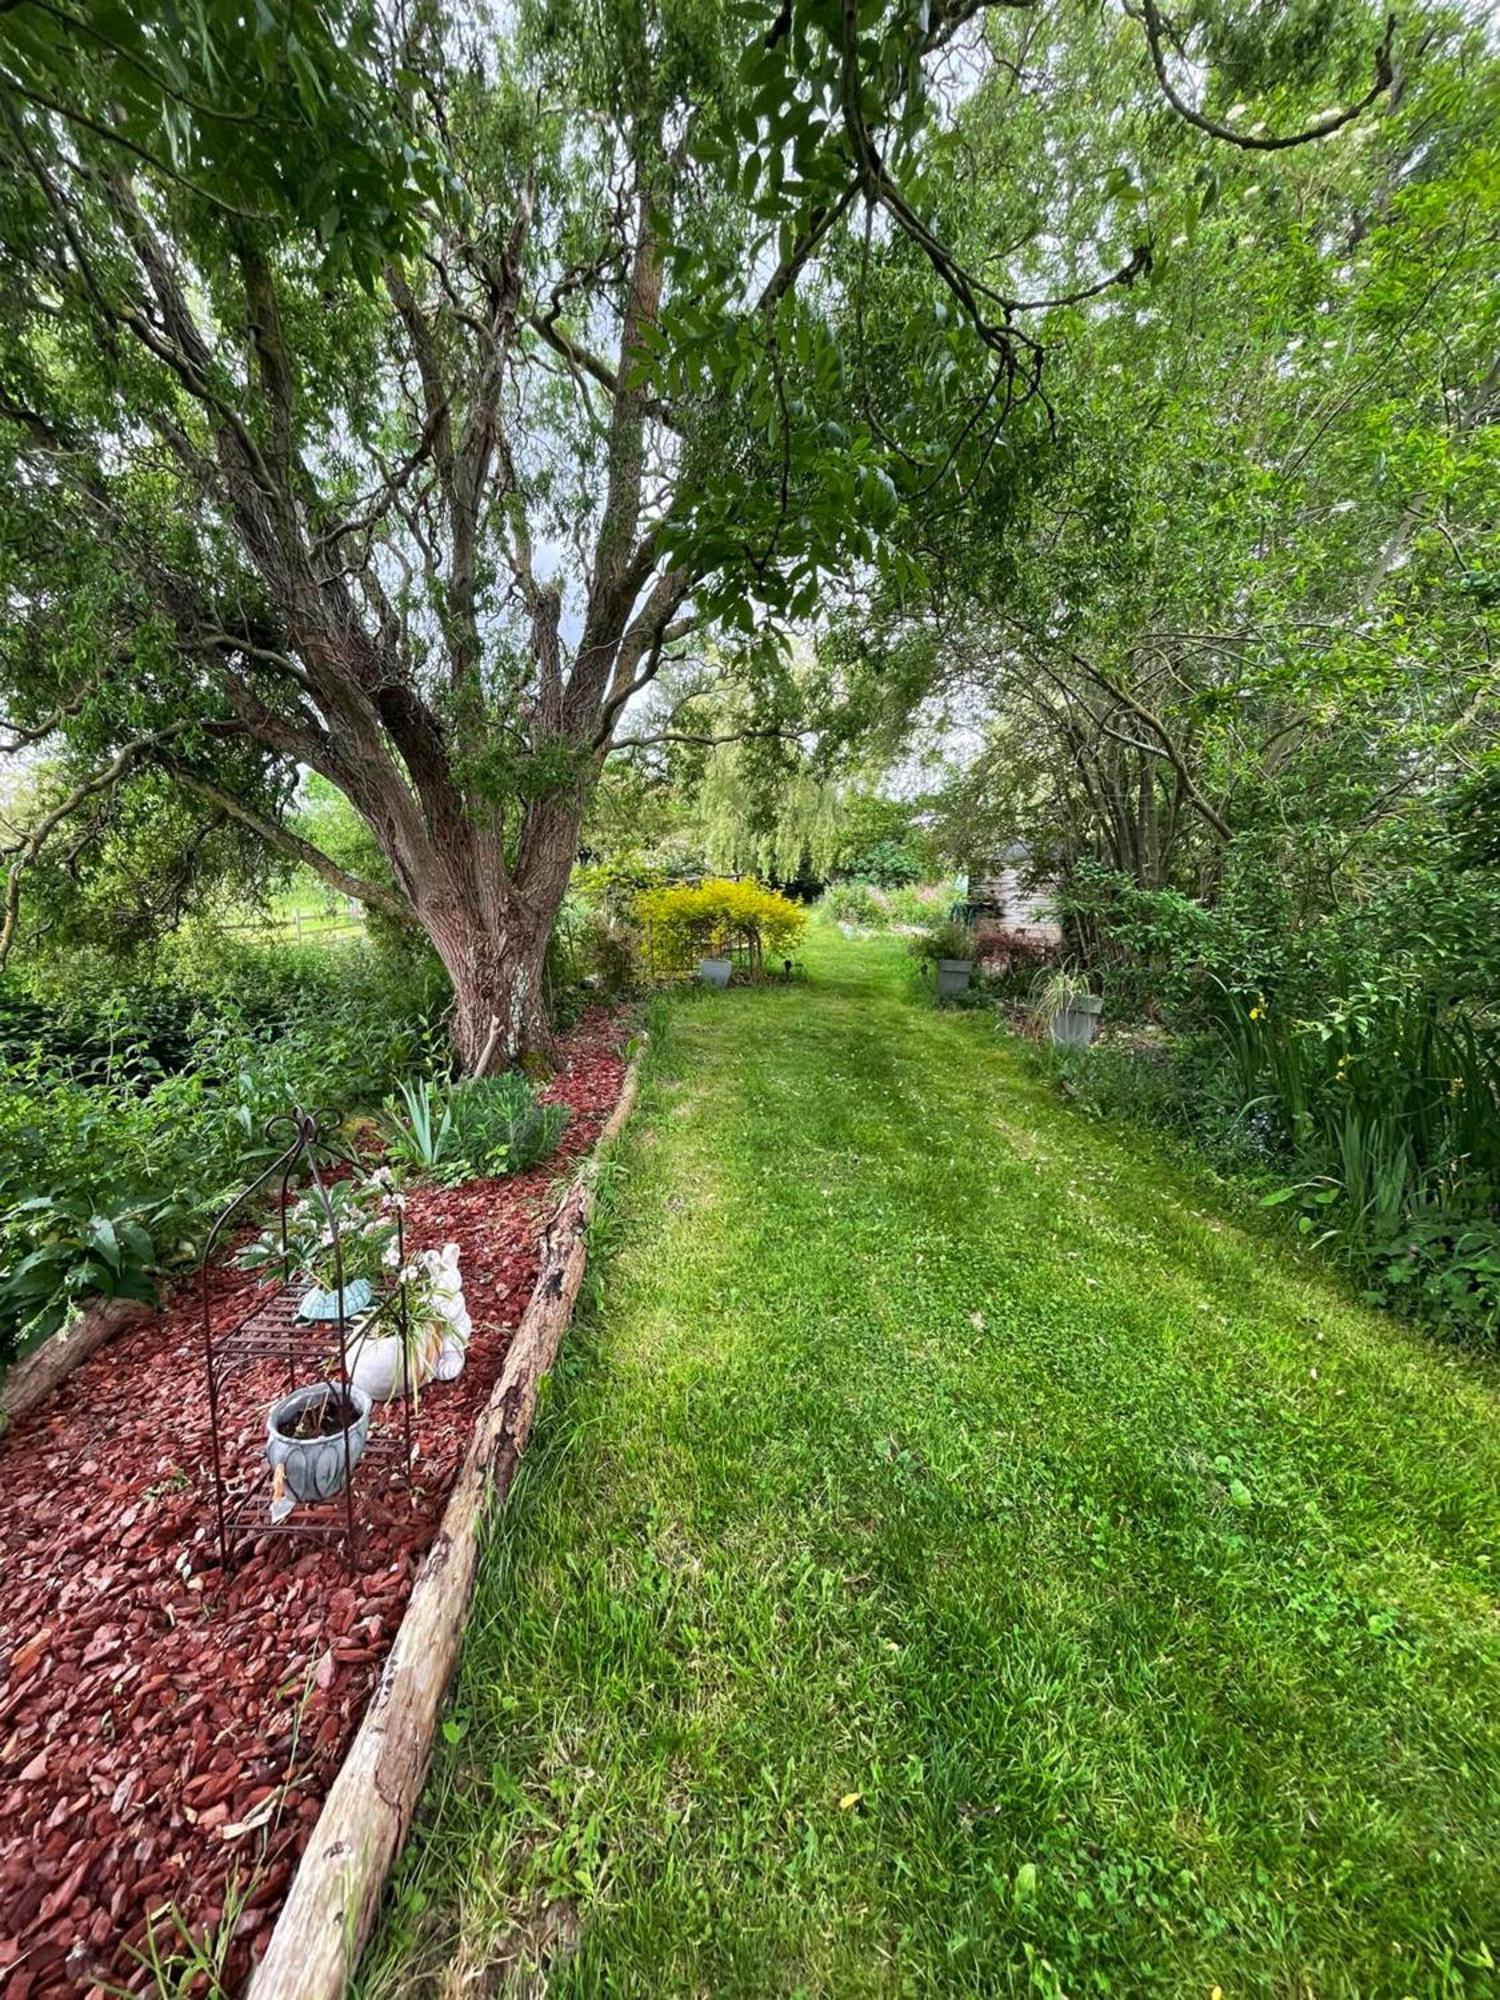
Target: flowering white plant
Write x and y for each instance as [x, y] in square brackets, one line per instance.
[436, 1328]
[364, 1212]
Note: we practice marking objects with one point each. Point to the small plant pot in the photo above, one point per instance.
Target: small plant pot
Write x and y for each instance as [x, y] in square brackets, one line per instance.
[715, 971]
[315, 1468]
[953, 976]
[1074, 1026]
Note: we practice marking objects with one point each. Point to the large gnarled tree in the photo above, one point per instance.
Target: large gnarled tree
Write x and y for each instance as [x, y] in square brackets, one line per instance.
[392, 407]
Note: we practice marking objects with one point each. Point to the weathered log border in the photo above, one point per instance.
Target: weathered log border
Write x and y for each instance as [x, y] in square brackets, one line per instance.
[33, 1378]
[330, 1909]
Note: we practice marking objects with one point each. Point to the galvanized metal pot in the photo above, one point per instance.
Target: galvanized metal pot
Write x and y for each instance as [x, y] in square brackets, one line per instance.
[1074, 1026]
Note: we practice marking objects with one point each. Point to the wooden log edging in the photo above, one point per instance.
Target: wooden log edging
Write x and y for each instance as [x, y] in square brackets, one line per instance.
[33, 1378]
[330, 1909]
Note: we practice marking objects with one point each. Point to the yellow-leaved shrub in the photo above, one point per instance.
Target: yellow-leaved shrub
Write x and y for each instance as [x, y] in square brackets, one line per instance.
[702, 919]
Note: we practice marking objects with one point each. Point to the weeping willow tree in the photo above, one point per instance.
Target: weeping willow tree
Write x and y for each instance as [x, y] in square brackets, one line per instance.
[782, 825]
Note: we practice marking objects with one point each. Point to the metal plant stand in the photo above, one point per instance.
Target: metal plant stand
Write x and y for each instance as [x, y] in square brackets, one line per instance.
[273, 1331]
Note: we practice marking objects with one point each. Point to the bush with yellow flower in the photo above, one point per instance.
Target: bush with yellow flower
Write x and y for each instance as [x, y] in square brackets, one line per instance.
[715, 918]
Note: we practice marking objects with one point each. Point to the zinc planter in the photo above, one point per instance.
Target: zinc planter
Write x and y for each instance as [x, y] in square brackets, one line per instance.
[1074, 1026]
[953, 977]
[715, 971]
[314, 1468]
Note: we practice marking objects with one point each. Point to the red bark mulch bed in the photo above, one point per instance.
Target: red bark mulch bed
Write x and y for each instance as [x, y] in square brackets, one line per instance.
[168, 1733]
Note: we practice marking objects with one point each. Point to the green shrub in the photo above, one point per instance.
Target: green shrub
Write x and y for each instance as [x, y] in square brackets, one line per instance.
[1360, 1046]
[1390, 1081]
[1386, 1106]
[347, 996]
[878, 908]
[1185, 1085]
[475, 1127]
[854, 903]
[915, 908]
[77, 1253]
[889, 863]
[501, 1125]
[113, 1164]
[611, 887]
[691, 922]
[1379, 1124]
[593, 954]
[1442, 1268]
[418, 1128]
[1162, 952]
[607, 950]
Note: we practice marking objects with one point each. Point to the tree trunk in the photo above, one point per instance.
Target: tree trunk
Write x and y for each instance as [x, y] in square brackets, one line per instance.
[490, 925]
[499, 1001]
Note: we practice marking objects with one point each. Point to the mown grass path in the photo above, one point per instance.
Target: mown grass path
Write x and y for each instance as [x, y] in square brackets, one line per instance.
[960, 1558]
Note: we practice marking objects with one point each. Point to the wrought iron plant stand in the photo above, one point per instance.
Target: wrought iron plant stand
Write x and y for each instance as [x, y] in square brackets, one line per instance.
[274, 1331]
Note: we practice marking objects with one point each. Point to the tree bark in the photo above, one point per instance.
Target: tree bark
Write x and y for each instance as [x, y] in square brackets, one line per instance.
[499, 1011]
[490, 922]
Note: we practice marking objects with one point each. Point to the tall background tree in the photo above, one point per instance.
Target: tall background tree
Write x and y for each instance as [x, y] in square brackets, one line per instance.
[1240, 626]
[389, 397]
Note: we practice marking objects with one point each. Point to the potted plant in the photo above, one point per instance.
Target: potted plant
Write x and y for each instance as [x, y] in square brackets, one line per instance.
[950, 947]
[389, 1352]
[314, 1440]
[715, 968]
[1064, 1006]
[418, 1332]
[361, 1214]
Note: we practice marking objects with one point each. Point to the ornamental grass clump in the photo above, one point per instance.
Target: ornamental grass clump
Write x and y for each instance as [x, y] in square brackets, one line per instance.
[714, 918]
[474, 1127]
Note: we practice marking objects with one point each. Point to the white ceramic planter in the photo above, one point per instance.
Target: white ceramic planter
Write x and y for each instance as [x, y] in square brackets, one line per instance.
[715, 971]
[374, 1364]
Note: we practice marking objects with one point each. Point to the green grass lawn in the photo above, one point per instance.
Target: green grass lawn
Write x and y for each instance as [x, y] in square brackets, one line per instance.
[960, 1557]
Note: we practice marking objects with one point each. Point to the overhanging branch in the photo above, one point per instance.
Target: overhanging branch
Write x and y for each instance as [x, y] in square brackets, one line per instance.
[388, 901]
[25, 851]
[1156, 28]
[707, 740]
